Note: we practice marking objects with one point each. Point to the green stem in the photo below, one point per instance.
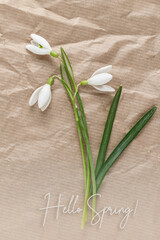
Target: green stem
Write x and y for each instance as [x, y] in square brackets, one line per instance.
[87, 192]
[82, 112]
[70, 94]
[76, 91]
[90, 161]
[81, 144]
[86, 172]
[88, 186]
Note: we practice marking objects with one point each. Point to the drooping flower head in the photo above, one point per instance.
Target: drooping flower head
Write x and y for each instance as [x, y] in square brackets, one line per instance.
[40, 46]
[42, 95]
[99, 79]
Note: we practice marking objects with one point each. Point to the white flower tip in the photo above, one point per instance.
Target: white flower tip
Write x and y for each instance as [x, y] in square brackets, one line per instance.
[110, 77]
[40, 105]
[33, 35]
[30, 103]
[44, 95]
[28, 46]
[105, 69]
[33, 99]
[46, 105]
[44, 108]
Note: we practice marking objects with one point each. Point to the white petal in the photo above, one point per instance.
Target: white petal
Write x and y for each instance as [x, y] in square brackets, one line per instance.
[100, 79]
[34, 43]
[104, 88]
[40, 40]
[44, 95]
[37, 50]
[103, 70]
[33, 99]
[46, 105]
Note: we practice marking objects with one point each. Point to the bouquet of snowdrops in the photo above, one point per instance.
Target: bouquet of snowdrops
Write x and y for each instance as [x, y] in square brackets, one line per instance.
[93, 176]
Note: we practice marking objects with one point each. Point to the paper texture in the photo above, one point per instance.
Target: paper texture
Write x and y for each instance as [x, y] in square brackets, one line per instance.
[40, 152]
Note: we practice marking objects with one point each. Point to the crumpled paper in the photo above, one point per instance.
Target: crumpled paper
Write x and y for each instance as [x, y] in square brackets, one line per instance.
[40, 152]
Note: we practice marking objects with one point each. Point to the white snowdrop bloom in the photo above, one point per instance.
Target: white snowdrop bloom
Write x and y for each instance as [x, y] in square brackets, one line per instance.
[99, 79]
[40, 46]
[42, 95]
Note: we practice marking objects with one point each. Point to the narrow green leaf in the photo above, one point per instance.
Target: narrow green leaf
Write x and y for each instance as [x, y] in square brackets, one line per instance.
[82, 112]
[123, 144]
[68, 67]
[107, 131]
[67, 62]
[63, 73]
[67, 89]
[67, 72]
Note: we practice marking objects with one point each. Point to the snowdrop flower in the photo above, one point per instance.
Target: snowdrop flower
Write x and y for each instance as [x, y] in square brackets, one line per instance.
[99, 78]
[42, 95]
[40, 46]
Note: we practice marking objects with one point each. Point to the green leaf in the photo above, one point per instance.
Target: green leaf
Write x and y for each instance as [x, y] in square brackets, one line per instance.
[82, 112]
[68, 90]
[63, 73]
[107, 131]
[123, 144]
[68, 67]
[67, 73]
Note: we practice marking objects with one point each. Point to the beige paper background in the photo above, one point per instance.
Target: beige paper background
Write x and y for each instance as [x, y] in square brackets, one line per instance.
[40, 152]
